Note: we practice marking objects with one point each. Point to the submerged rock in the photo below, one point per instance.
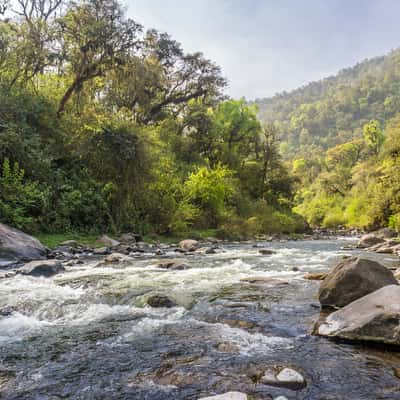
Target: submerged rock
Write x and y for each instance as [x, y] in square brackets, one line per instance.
[284, 377]
[160, 300]
[351, 279]
[266, 252]
[189, 244]
[44, 268]
[227, 396]
[315, 276]
[16, 245]
[375, 317]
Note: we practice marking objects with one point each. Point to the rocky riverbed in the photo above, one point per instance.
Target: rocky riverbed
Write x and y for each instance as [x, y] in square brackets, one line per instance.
[236, 319]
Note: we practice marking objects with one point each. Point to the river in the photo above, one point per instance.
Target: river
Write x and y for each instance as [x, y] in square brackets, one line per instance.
[87, 333]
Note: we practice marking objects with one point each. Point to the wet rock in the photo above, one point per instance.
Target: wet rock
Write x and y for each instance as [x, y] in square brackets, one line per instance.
[173, 265]
[284, 377]
[130, 237]
[44, 268]
[261, 280]
[116, 258]
[206, 250]
[375, 317]
[16, 245]
[189, 245]
[239, 323]
[387, 233]
[295, 269]
[226, 347]
[266, 252]
[351, 279]
[315, 276]
[6, 311]
[227, 396]
[369, 240]
[160, 300]
[6, 378]
[101, 251]
[107, 241]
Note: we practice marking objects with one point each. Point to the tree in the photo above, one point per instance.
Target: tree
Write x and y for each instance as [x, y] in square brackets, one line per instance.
[96, 38]
[373, 135]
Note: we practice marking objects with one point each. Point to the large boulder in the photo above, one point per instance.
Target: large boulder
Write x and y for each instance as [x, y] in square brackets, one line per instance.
[189, 244]
[44, 268]
[18, 246]
[375, 317]
[369, 240]
[351, 279]
[107, 241]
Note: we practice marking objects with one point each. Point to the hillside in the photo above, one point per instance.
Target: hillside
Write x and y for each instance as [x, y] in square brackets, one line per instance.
[333, 110]
[341, 136]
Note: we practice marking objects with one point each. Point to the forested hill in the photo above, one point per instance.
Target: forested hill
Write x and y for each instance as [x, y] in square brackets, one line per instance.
[333, 110]
[341, 140]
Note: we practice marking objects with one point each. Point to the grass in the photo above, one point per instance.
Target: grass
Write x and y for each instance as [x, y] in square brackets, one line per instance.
[52, 240]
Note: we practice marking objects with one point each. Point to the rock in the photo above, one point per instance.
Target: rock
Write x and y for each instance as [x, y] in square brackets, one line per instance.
[351, 279]
[116, 258]
[284, 377]
[266, 252]
[44, 268]
[227, 396]
[206, 250]
[189, 244]
[261, 280]
[226, 347]
[294, 269]
[101, 251]
[107, 241]
[315, 276]
[369, 240]
[130, 237]
[388, 233]
[16, 245]
[375, 317]
[173, 265]
[160, 300]
[397, 273]
[280, 398]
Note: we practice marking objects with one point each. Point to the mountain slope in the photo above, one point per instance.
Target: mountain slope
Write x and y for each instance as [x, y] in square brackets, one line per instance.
[333, 111]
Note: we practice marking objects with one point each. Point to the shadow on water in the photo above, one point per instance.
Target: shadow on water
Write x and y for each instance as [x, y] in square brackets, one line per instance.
[87, 334]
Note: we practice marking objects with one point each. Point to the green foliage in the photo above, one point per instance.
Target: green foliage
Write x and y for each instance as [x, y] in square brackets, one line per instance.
[373, 136]
[120, 129]
[20, 201]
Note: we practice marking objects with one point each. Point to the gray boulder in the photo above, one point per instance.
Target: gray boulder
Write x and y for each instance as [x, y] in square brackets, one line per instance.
[18, 246]
[375, 317]
[44, 268]
[189, 244]
[107, 241]
[369, 240]
[351, 279]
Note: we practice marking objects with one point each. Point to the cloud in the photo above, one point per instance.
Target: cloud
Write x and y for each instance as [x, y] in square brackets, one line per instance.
[266, 46]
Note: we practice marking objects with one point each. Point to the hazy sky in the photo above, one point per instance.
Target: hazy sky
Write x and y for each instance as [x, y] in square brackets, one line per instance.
[266, 46]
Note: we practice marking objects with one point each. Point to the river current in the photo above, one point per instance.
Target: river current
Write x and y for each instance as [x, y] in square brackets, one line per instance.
[88, 334]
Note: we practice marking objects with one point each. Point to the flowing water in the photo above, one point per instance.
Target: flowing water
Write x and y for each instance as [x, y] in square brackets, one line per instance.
[87, 333]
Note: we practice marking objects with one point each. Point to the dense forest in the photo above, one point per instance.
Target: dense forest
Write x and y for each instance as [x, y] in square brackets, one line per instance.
[108, 126]
[341, 139]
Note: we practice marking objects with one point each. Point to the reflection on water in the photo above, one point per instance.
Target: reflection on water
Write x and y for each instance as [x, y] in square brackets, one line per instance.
[87, 333]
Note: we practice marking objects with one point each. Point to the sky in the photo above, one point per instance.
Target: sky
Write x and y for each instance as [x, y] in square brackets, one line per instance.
[267, 46]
